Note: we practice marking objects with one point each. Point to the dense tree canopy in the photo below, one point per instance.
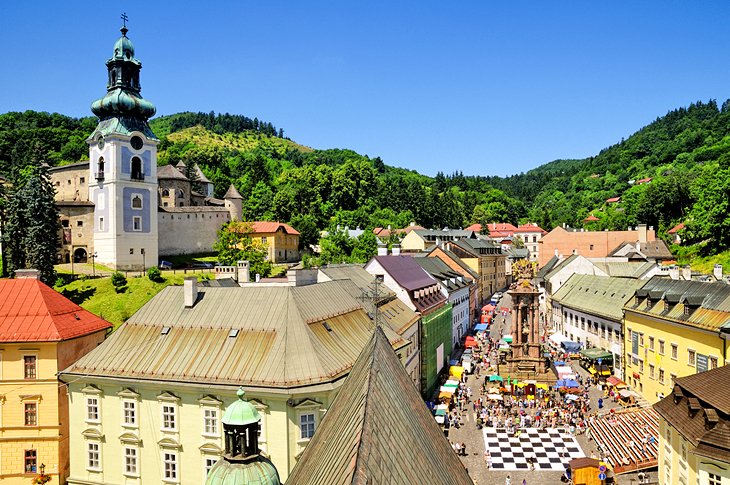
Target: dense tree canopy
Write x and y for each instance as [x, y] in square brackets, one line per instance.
[316, 190]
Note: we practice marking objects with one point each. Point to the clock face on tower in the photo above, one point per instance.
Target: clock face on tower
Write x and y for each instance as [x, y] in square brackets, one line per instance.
[100, 143]
[136, 142]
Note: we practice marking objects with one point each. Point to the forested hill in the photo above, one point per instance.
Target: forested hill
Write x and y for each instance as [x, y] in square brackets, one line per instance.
[685, 153]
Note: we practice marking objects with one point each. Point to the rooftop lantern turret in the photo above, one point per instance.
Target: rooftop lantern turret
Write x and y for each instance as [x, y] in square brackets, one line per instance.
[242, 462]
[123, 100]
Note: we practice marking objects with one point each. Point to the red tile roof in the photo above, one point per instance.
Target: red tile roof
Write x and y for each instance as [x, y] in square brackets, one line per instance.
[591, 218]
[676, 228]
[530, 227]
[268, 227]
[501, 227]
[30, 311]
[643, 181]
[474, 227]
[612, 200]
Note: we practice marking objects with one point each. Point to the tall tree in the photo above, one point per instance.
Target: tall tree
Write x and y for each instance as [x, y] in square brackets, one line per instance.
[32, 226]
[235, 244]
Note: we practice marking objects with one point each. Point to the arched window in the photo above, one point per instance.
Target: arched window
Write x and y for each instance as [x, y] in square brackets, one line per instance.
[165, 193]
[136, 202]
[100, 169]
[180, 193]
[137, 169]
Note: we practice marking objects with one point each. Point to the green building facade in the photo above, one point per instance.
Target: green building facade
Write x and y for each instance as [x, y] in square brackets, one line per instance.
[436, 329]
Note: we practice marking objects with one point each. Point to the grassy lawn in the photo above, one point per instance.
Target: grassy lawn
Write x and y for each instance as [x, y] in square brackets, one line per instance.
[99, 297]
[186, 260]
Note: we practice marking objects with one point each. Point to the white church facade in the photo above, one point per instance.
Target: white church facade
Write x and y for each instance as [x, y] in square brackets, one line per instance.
[120, 208]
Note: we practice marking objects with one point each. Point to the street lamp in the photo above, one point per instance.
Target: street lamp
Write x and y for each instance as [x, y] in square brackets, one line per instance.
[143, 261]
[43, 469]
[93, 264]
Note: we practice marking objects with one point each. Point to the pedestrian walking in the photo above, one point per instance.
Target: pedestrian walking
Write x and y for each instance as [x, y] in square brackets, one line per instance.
[508, 481]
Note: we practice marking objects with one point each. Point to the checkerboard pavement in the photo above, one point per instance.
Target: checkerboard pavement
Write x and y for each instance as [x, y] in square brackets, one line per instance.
[551, 448]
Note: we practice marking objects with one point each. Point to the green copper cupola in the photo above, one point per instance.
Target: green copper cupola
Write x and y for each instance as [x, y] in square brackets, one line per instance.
[123, 109]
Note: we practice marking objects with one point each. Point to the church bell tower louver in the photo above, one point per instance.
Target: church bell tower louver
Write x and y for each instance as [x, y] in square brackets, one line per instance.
[123, 167]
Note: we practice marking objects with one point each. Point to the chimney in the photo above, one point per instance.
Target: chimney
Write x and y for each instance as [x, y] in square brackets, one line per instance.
[244, 272]
[687, 273]
[642, 233]
[674, 272]
[556, 252]
[382, 249]
[34, 274]
[395, 251]
[190, 290]
[717, 272]
[301, 277]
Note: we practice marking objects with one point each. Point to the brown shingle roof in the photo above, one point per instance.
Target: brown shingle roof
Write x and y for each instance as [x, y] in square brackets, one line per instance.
[378, 431]
[709, 390]
[406, 272]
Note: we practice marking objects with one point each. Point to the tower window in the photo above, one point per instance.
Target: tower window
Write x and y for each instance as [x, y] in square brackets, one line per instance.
[137, 169]
[136, 223]
[136, 201]
[101, 224]
[165, 193]
[100, 169]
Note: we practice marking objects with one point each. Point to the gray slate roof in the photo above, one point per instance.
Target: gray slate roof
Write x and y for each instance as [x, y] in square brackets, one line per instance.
[378, 431]
[406, 272]
[598, 295]
[170, 172]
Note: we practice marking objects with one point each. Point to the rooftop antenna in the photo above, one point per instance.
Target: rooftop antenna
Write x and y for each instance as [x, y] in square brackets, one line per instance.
[372, 294]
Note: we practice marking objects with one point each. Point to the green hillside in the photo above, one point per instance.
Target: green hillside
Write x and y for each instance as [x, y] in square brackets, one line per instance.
[685, 153]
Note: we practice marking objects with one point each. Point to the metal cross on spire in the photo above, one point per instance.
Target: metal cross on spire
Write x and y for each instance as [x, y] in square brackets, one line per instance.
[124, 19]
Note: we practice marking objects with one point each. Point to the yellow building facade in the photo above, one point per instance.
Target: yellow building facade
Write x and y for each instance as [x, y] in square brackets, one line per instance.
[693, 444]
[674, 329]
[128, 432]
[53, 334]
[281, 240]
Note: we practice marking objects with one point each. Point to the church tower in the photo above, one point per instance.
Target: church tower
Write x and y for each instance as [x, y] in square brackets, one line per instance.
[123, 167]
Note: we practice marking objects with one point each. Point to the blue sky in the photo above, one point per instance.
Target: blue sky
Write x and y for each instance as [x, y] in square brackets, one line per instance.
[488, 88]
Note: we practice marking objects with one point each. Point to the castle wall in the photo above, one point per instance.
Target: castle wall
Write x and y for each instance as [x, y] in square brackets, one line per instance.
[189, 230]
[71, 181]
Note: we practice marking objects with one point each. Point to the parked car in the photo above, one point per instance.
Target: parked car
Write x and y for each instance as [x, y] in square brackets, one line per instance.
[165, 265]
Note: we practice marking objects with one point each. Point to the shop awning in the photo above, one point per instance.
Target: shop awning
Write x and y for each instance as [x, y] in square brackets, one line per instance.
[494, 397]
[596, 353]
[496, 378]
[481, 327]
[570, 346]
[615, 381]
[507, 338]
[456, 371]
[488, 308]
[557, 338]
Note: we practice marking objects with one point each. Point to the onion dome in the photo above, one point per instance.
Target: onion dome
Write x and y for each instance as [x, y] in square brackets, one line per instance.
[259, 471]
[241, 413]
[242, 463]
[123, 98]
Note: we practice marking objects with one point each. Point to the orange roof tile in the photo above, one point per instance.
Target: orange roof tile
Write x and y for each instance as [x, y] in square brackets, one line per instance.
[612, 200]
[30, 311]
[676, 228]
